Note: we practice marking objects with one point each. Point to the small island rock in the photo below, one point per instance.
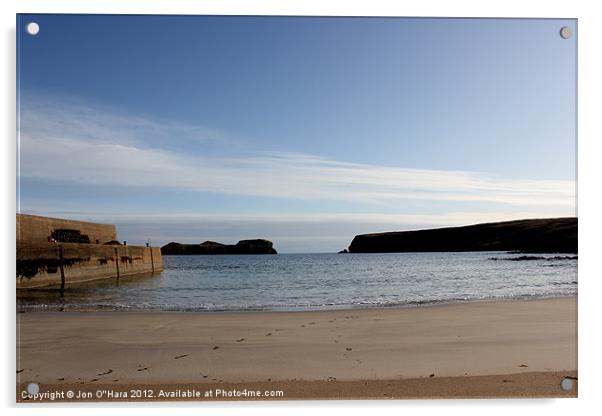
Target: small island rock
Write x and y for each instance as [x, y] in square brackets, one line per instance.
[257, 246]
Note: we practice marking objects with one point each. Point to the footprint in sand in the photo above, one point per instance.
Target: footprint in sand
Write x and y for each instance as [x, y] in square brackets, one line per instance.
[94, 379]
[312, 323]
[331, 379]
[240, 340]
[180, 356]
[268, 334]
[215, 347]
[142, 369]
[109, 371]
[302, 326]
[523, 365]
[62, 379]
[348, 349]
[205, 376]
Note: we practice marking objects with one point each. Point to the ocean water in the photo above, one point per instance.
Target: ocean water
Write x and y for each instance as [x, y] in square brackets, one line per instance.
[319, 281]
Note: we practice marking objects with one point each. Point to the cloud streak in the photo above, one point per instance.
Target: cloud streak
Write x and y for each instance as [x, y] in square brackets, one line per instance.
[92, 147]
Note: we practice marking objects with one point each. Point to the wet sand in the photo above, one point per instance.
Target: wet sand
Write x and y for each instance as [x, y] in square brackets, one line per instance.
[480, 349]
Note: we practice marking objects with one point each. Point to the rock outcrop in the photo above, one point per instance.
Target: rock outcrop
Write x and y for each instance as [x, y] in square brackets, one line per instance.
[258, 246]
[550, 235]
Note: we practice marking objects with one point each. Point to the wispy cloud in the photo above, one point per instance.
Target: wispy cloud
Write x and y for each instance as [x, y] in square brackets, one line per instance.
[93, 147]
[43, 117]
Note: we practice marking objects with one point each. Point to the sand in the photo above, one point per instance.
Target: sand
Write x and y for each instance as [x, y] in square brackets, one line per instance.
[479, 349]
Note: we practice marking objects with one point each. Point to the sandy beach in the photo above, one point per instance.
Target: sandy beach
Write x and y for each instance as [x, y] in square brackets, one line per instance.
[479, 349]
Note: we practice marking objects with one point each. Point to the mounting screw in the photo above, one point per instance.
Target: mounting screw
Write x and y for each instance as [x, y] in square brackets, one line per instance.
[32, 28]
[565, 32]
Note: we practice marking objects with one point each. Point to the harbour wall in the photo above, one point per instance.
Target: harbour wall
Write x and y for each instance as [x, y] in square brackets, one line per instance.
[33, 229]
[42, 261]
[62, 264]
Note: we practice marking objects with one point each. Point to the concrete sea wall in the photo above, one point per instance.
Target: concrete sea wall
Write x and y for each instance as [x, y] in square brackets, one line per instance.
[33, 229]
[61, 264]
[44, 260]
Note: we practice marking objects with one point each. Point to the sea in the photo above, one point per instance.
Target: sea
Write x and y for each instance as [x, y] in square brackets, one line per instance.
[289, 282]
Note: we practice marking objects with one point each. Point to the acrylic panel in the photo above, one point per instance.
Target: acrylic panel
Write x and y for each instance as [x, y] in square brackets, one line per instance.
[286, 207]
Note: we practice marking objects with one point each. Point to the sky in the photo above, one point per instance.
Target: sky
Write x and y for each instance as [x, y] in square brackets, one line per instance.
[302, 130]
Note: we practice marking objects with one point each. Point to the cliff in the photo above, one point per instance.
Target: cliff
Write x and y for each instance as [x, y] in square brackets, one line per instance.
[258, 246]
[553, 235]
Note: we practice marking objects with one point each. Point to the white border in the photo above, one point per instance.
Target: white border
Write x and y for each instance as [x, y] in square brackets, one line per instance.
[589, 187]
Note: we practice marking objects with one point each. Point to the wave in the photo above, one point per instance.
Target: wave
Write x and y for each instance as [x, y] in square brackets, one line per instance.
[287, 307]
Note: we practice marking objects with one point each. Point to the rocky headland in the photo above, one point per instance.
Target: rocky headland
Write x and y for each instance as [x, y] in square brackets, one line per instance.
[258, 246]
[550, 235]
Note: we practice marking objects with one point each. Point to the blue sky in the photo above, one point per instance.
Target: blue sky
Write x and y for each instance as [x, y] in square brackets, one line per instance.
[305, 131]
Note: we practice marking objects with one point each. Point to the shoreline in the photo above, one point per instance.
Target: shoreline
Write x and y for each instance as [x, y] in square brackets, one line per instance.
[301, 348]
[410, 305]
